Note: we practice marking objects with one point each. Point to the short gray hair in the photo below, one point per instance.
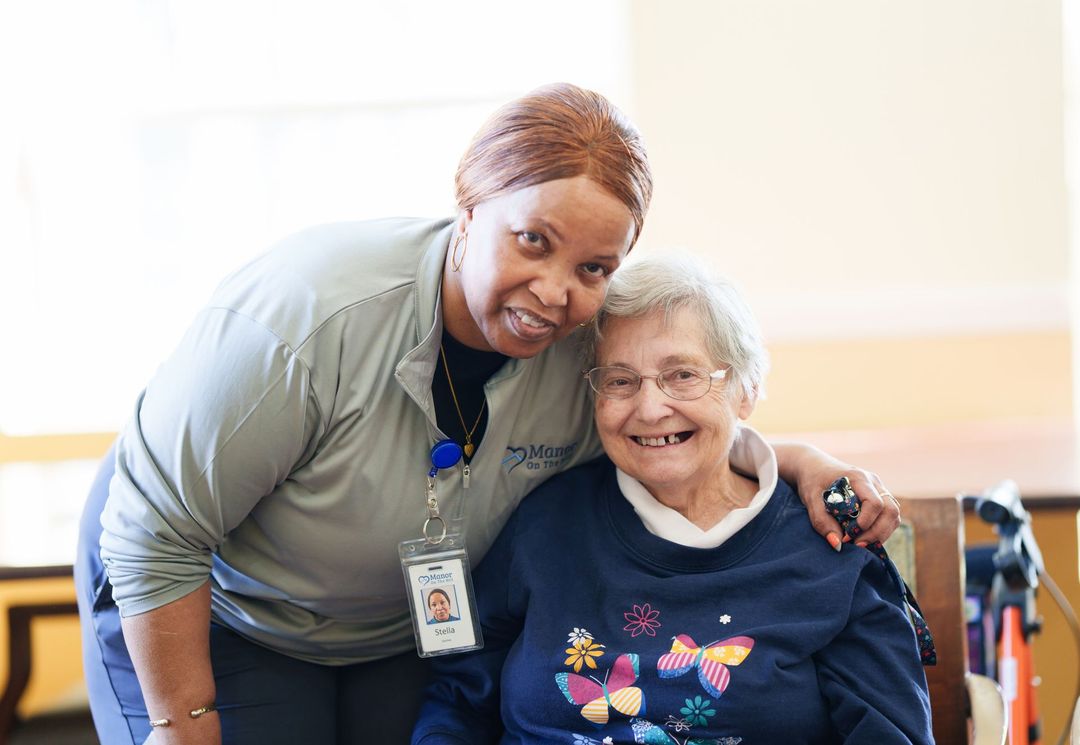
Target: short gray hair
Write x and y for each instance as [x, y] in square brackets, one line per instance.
[665, 284]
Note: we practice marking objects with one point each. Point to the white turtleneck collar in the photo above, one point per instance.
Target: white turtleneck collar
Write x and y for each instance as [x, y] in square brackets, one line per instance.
[750, 454]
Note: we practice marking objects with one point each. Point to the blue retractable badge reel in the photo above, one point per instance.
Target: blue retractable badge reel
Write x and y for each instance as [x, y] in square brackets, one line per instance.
[444, 454]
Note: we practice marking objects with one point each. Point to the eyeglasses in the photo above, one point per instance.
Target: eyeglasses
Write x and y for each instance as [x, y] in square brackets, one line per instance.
[680, 383]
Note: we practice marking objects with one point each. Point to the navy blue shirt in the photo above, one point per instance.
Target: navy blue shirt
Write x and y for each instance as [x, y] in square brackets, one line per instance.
[595, 628]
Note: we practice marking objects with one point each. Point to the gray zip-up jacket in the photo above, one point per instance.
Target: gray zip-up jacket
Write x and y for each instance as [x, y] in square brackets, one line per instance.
[282, 451]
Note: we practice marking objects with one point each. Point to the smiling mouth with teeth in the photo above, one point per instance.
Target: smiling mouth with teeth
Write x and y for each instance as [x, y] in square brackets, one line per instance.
[659, 442]
[531, 320]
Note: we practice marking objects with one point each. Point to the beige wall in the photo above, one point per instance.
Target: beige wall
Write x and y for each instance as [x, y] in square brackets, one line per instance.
[911, 382]
[885, 181]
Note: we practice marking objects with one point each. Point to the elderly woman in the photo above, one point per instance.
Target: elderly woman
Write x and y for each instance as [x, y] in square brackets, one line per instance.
[676, 592]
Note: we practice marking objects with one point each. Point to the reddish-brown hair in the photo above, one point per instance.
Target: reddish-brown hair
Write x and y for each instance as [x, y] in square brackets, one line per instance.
[557, 131]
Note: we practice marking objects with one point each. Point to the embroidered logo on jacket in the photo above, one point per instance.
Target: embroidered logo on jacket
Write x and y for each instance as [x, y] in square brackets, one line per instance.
[537, 457]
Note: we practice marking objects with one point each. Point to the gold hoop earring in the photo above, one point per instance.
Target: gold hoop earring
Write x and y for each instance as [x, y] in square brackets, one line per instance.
[455, 260]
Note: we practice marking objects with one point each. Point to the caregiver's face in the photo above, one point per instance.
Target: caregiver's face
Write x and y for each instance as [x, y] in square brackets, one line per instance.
[666, 444]
[537, 264]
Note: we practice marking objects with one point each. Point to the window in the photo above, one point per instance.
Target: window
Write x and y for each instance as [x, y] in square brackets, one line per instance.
[151, 147]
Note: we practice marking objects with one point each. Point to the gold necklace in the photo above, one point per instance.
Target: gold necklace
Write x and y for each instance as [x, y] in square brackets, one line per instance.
[469, 447]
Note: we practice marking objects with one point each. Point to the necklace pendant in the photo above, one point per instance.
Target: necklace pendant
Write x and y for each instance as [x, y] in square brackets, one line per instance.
[469, 448]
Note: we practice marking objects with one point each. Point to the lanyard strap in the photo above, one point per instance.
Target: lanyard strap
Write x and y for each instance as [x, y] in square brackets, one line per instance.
[842, 503]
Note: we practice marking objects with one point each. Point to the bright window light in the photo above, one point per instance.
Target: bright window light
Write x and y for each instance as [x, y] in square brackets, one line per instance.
[149, 148]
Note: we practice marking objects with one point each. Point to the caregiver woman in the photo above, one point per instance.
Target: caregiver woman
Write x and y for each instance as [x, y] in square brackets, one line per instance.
[248, 545]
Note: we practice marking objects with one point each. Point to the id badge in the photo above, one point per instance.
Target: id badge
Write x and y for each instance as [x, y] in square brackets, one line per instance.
[441, 598]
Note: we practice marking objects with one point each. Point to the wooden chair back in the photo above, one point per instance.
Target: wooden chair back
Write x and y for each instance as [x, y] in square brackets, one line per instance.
[932, 541]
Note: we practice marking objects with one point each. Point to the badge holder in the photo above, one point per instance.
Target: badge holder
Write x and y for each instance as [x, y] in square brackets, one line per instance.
[437, 577]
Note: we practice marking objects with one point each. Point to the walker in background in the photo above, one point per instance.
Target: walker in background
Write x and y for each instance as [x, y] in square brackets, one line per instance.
[1001, 588]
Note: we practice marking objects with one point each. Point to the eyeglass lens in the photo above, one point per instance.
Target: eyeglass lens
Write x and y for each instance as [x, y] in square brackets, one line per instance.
[682, 383]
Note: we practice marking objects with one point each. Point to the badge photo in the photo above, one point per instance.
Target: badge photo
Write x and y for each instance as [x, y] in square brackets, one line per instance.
[442, 604]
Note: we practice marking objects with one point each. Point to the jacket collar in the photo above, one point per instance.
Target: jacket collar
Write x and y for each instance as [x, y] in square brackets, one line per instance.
[416, 369]
[427, 292]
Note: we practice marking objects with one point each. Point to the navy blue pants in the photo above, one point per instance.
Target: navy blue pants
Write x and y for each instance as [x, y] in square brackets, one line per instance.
[263, 698]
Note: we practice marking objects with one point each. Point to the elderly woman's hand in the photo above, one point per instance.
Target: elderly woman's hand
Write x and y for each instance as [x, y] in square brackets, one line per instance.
[813, 471]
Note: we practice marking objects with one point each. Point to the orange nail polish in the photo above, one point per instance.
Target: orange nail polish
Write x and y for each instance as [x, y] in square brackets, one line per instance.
[833, 541]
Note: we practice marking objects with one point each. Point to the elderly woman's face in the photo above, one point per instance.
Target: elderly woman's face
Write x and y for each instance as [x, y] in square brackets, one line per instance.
[536, 265]
[636, 430]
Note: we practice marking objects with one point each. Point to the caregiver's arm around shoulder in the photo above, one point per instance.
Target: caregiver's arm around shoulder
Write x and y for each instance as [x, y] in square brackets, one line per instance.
[813, 471]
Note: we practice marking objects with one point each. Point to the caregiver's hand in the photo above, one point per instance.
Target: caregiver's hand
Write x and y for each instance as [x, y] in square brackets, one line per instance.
[813, 471]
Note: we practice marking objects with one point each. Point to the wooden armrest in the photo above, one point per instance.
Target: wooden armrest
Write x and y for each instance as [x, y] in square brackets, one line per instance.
[19, 662]
[989, 716]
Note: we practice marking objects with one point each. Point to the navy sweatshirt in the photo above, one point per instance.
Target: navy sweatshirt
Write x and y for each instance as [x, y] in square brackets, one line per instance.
[598, 631]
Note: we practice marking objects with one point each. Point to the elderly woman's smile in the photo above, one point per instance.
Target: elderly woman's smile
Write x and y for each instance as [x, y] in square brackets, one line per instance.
[678, 449]
[663, 440]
